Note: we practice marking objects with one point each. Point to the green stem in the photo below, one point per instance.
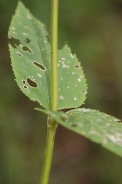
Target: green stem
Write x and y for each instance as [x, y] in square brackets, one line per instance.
[52, 125]
[54, 43]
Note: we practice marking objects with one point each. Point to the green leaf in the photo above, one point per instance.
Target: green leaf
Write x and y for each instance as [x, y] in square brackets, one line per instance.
[72, 83]
[30, 55]
[94, 125]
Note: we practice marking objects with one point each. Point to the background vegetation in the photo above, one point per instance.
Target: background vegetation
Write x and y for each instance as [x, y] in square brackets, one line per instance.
[93, 29]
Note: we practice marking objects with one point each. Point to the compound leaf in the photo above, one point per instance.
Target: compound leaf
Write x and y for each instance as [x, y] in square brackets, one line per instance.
[94, 125]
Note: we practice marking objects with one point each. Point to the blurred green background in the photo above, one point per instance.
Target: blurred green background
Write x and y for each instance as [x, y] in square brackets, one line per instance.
[93, 29]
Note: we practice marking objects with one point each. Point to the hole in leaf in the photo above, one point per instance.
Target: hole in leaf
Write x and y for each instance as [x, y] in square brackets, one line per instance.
[83, 91]
[42, 67]
[23, 81]
[32, 83]
[74, 125]
[26, 49]
[77, 66]
[18, 53]
[14, 42]
[27, 40]
[26, 87]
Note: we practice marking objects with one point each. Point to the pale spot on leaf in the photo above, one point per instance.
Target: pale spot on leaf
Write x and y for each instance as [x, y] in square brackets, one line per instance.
[29, 17]
[13, 28]
[63, 59]
[79, 79]
[25, 34]
[71, 55]
[61, 97]
[39, 75]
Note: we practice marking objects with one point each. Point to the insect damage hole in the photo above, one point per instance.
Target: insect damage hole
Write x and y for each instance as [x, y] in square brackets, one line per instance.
[83, 91]
[26, 87]
[74, 125]
[18, 53]
[14, 42]
[41, 66]
[77, 66]
[23, 81]
[32, 83]
[26, 49]
[27, 40]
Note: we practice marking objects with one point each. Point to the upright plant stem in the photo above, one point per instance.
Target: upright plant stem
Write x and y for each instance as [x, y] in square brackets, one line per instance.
[54, 43]
[52, 125]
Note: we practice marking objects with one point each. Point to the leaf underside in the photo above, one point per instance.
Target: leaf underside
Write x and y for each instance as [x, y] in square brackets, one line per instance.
[94, 125]
[31, 62]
